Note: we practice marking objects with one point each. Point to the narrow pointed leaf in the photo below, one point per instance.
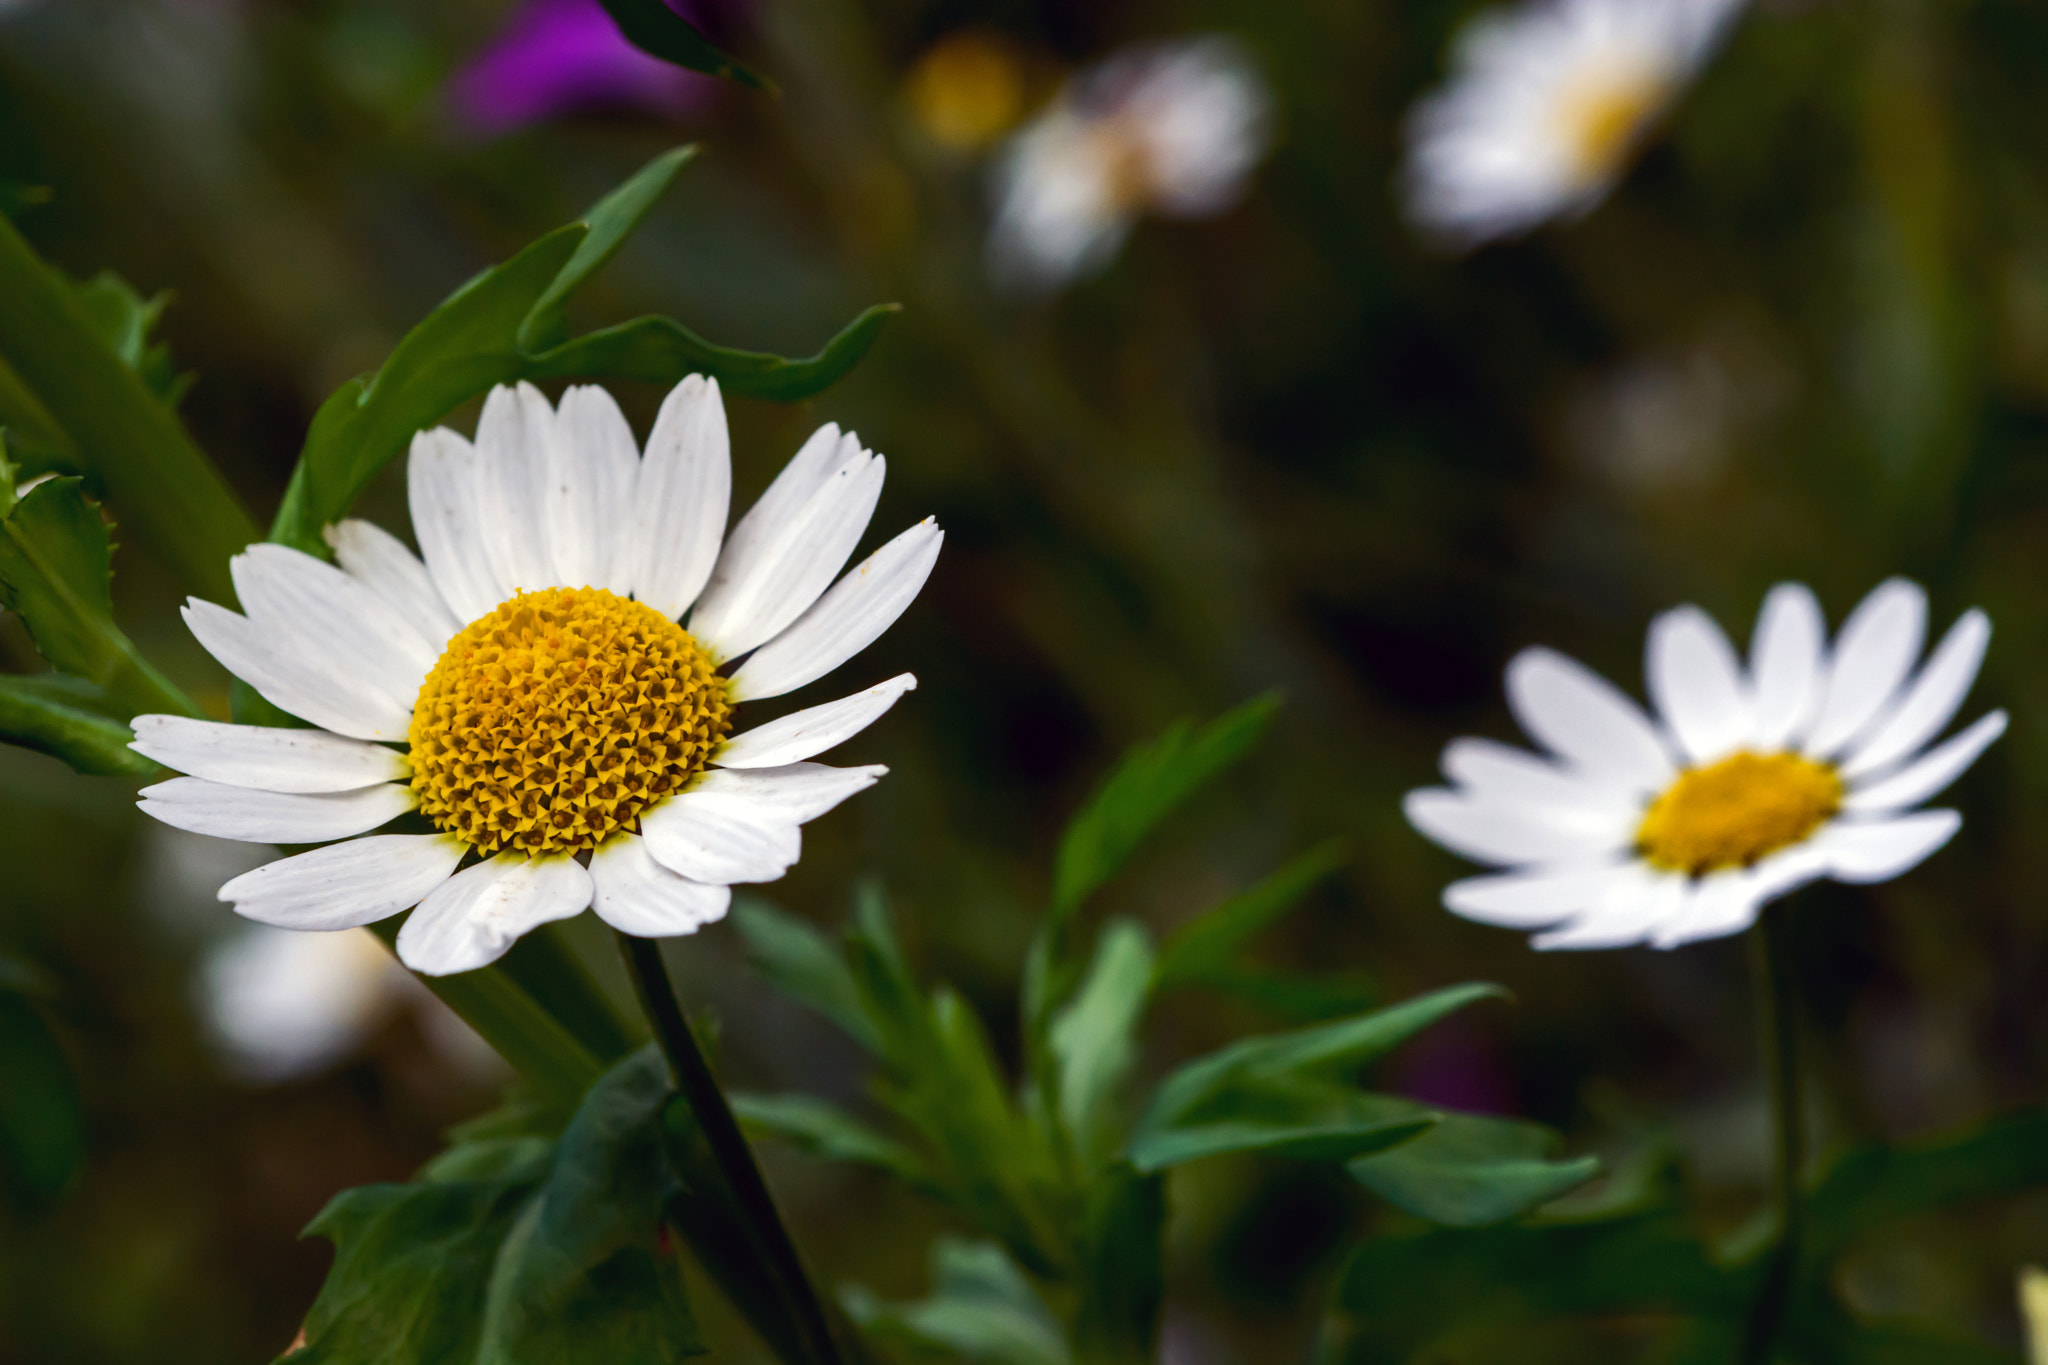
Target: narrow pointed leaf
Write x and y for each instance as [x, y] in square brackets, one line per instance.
[54, 720]
[653, 27]
[1470, 1170]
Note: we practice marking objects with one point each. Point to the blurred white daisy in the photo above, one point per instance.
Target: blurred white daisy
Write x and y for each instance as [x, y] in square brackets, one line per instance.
[1748, 783]
[1546, 106]
[529, 691]
[1171, 128]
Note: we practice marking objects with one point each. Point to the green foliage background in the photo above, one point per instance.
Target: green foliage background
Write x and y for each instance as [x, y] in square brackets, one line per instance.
[1284, 449]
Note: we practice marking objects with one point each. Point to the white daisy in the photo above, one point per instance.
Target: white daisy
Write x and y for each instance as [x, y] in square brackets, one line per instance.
[1548, 104]
[1172, 128]
[529, 691]
[1746, 785]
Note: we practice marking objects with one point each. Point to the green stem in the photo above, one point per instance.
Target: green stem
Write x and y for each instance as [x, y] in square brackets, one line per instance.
[1778, 1023]
[158, 479]
[728, 1146]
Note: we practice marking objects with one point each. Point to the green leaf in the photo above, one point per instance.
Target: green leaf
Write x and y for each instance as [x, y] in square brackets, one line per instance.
[1875, 1186]
[55, 573]
[124, 321]
[653, 27]
[47, 712]
[524, 1251]
[981, 1307]
[825, 1130]
[1297, 997]
[1470, 1170]
[506, 325]
[1092, 1040]
[1205, 948]
[1123, 1277]
[42, 1122]
[803, 964]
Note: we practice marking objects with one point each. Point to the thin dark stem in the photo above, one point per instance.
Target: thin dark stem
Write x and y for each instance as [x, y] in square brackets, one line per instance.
[728, 1146]
[1779, 1029]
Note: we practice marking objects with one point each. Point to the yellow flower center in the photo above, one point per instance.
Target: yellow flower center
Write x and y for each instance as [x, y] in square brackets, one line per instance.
[1731, 813]
[559, 717]
[1602, 120]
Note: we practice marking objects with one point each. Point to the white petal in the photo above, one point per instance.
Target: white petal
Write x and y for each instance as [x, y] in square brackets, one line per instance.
[1585, 720]
[380, 562]
[1878, 850]
[1696, 682]
[799, 791]
[805, 473]
[1931, 702]
[1514, 779]
[512, 439]
[346, 884]
[1529, 900]
[592, 467]
[472, 918]
[1785, 665]
[681, 500]
[447, 520]
[1494, 834]
[640, 896]
[1721, 904]
[751, 597]
[264, 758]
[1930, 773]
[802, 734]
[296, 598]
[846, 620]
[1630, 908]
[288, 678]
[720, 840]
[1873, 654]
[259, 817]
[281, 1004]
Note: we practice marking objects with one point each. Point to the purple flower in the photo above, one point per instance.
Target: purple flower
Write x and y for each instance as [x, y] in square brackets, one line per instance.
[559, 56]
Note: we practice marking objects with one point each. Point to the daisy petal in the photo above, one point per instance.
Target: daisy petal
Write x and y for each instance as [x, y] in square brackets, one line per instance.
[1785, 664]
[380, 562]
[846, 620]
[1930, 773]
[1697, 684]
[681, 500]
[804, 475]
[348, 884]
[1631, 907]
[1493, 834]
[1873, 655]
[266, 759]
[1586, 721]
[1878, 850]
[753, 596]
[719, 840]
[1931, 702]
[1529, 900]
[593, 465]
[1721, 904]
[472, 918]
[260, 817]
[512, 439]
[305, 601]
[802, 734]
[795, 791]
[640, 896]
[286, 677]
[447, 520]
[1510, 778]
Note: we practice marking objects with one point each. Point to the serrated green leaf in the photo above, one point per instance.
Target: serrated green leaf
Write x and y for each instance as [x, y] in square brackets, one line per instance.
[36, 442]
[981, 1308]
[825, 1130]
[1471, 1170]
[661, 350]
[124, 321]
[42, 1122]
[525, 1250]
[41, 713]
[803, 964]
[1205, 948]
[612, 220]
[1093, 1039]
[55, 573]
[653, 27]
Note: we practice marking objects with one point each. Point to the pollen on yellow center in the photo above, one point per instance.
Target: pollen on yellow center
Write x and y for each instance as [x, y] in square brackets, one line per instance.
[1735, 811]
[560, 717]
[1601, 121]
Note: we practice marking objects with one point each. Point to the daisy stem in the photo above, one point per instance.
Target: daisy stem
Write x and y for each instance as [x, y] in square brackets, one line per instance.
[699, 1089]
[1777, 1019]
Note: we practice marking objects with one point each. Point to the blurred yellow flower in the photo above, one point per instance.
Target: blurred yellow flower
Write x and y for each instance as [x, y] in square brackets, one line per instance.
[967, 90]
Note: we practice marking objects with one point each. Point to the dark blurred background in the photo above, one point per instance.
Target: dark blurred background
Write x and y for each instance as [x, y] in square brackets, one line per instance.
[1285, 447]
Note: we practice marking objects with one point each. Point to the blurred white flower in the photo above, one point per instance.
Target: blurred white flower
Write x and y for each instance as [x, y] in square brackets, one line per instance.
[1171, 128]
[2034, 1312]
[1747, 784]
[1546, 106]
[280, 1004]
